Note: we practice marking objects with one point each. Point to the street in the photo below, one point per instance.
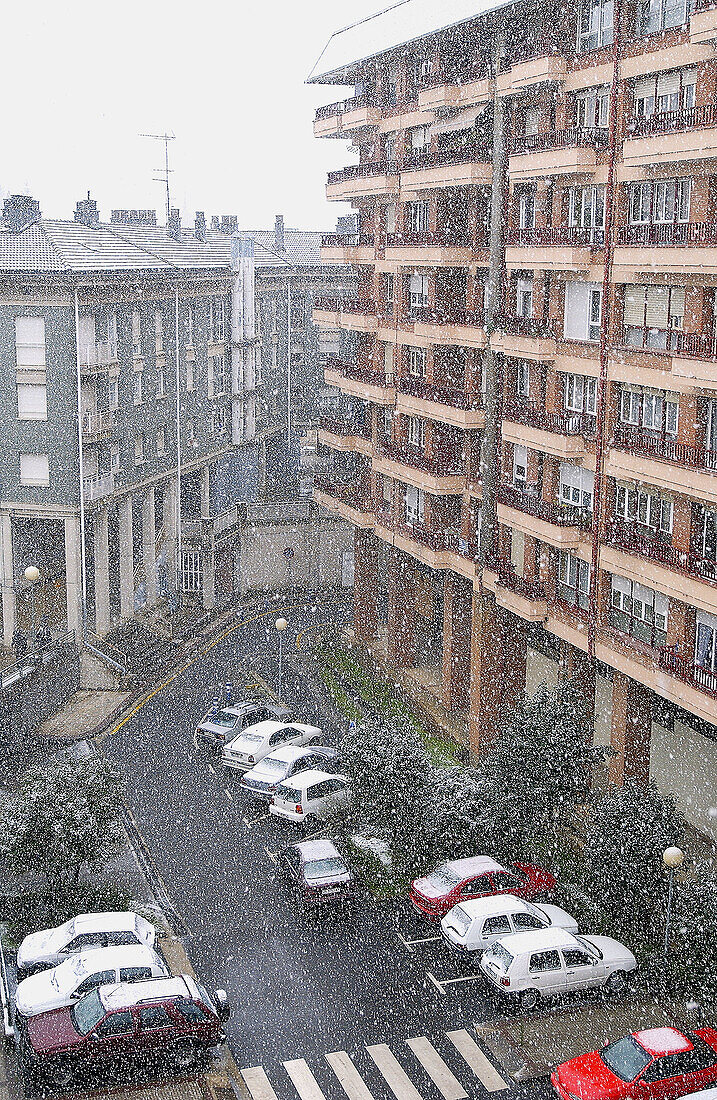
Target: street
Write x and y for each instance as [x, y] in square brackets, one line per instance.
[303, 987]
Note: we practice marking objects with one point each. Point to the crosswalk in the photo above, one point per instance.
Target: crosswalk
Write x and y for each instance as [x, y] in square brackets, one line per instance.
[450, 1067]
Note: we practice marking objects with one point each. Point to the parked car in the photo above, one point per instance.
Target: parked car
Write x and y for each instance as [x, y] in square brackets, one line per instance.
[472, 926]
[319, 871]
[41, 950]
[257, 741]
[660, 1062]
[535, 966]
[219, 726]
[66, 983]
[262, 780]
[475, 877]
[305, 798]
[173, 1016]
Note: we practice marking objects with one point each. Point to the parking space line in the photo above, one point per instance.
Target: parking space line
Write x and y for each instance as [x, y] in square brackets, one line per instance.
[424, 939]
[271, 855]
[258, 1083]
[255, 820]
[212, 769]
[393, 1073]
[454, 981]
[432, 977]
[348, 1076]
[229, 795]
[443, 1078]
[303, 1080]
[474, 1057]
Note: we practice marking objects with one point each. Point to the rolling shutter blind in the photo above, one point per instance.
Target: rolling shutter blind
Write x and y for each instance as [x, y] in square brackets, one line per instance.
[635, 297]
[31, 402]
[30, 342]
[677, 305]
[657, 307]
[668, 83]
[644, 88]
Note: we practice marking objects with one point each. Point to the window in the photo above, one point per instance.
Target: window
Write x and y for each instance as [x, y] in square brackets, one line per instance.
[524, 298]
[504, 880]
[102, 977]
[574, 956]
[706, 641]
[586, 208]
[189, 323]
[217, 320]
[520, 466]
[388, 423]
[417, 362]
[136, 333]
[117, 1023]
[191, 571]
[659, 15]
[138, 450]
[526, 922]
[544, 960]
[114, 458]
[595, 24]
[30, 343]
[31, 401]
[161, 440]
[583, 311]
[419, 138]
[190, 424]
[390, 218]
[496, 926]
[526, 210]
[217, 375]
[113, 393]
[416, 217]
[646, 509]
[418, 291]
[415, 504]
[219, 420]
[592, 107]
[34, 470]
[158, 331]
[581, 394]
[416, 432]
[663, 202]
[161, 383]
[639, 611]
[388, 292]
[137, 387]
[654, 411]
[522, 384]
[573, 585]
[388, 361]
[576, 486]
[664, 93]
[153, 1017]
[531, 121]
[191, 1011]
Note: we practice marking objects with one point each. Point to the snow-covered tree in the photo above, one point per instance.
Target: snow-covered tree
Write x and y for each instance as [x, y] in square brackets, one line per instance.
[462, 818]
[692, 955]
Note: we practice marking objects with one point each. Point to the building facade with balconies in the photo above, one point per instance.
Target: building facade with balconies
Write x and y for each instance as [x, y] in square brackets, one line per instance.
[532, 467]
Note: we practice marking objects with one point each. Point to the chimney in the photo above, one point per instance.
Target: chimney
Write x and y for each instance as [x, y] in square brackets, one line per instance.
[229, 223]
[174, 227]
[279, 243]
[215, 223]
[86, 211]
[200, 226]
[20, 211]
[133, 217]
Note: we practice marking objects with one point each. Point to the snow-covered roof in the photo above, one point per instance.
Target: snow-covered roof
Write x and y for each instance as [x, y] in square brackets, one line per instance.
[544, 939]
[663, 1040]
[104, 922]
[404, 22]
[317, 849]
[474, 865]
[124, 994]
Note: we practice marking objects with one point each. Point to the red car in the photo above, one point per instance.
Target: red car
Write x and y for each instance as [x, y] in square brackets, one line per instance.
[660, 1062]
[476, 877]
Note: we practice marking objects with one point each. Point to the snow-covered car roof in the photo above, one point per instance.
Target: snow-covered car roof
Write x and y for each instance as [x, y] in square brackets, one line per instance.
[474, 865]
[102, 922]
[495, 903]
[124, 994]
[317, 849]
[663, 1040]
[705, 1094]
[543, 940]
[262, 729]
[313, 775]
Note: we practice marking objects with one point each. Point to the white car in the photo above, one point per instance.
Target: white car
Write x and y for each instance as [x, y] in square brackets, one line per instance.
[257, 741]
[41, 950]
[220, 725]
[309, 796]
[262, 780]
[533, 966]
[64, 984]
[472, 926]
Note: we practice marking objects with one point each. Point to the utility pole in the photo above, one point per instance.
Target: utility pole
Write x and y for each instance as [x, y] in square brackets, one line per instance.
[164, 178]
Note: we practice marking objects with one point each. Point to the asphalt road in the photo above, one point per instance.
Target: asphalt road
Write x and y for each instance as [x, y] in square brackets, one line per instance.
[301, 987]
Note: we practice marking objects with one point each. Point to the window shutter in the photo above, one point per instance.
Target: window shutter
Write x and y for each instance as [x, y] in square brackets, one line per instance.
[635, 297]
[30, 341]
[619, 584]
[657, 307]
[577, 302]
[668, 83]
[644, 88]
[34, 470]
[677, 306]
[31, 402]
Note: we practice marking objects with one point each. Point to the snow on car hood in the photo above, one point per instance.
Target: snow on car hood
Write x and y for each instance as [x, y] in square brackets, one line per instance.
[43, 992]
[38, 945]
[612, 951]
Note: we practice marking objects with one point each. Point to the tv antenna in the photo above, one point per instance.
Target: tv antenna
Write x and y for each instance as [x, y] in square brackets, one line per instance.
[164, 178]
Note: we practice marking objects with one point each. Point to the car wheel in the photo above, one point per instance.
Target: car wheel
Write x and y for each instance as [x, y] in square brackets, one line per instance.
[185, 1054]
[617, 981]
[60, 1074]
[529, 999]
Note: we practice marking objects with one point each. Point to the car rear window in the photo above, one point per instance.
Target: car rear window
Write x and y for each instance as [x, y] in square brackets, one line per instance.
[273, 765]
[252, 738]
[324, 868]
[443, 877]
[626, 1058]
[288, 794]
[501, 955]
[459, 919]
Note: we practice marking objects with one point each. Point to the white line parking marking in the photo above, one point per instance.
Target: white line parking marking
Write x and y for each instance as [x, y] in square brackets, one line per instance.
[258, 1083]
[271, 855]
[348, 1076]
[254, 820]
[445, 1081]
[393, 1073]
[212, 769]
[303, 1080]
[425, 939]
[228, 794]
[452, 981]
[432, 978]
[471, 1053]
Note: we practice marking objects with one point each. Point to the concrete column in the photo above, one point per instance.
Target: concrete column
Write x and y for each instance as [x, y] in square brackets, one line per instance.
[208, 586]
[630, 731]
[9, 600]
[149, 551]
[499, 650]
[457, 600]
[73, 574]
[401, 610]
[365, 585]
[102, 572]
[169, 528]
[205, 497]
[126, 558]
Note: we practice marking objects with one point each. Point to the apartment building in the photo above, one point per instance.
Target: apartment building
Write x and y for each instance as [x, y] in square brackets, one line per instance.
[530, 462]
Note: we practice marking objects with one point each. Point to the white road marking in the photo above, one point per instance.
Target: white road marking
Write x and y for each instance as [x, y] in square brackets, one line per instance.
[425, 939]
[348, 1076]
[432, 978]
[471, 1053]
[254, 820]
[212, 769]
[393, 1073]
[228, 794]
[465, 978]
[271, 855]
[443, 1078]
[258, 1083]
[303, 1080]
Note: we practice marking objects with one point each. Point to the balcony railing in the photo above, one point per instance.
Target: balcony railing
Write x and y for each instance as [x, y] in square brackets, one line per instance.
[552, 236]
[418, 159]
[446, 463]
[663, 448]
[356, 372]
[698, 234]
[441, 395]
[671, 122]
[560, 515]
[444, 239]
[562, 423]
[354, 103]
[702, 5]
[433, 539]
[694, 345]
[530, 588]
[535, 327]
[342, 426]
[345, 305]
[630, 538]
[686, 670]
[347, 240]
[95, 423]
[98, 486]
[362, 171]
[445, 315]
[347, 492]
[591, 136]
[456, 74]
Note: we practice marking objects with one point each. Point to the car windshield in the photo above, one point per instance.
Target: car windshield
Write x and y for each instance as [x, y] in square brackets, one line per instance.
[288, 794]
[500, 955]
[592, 950]
[324, 868]
[204, 996]
[625, 1058]
[222, 719]
[459, 919]
[443, 878]
[274, 766]
[88, 1012]
[252, 738]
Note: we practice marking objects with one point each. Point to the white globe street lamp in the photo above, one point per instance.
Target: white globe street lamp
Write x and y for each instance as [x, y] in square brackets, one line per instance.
[672, 858]
[281, 625]
[32, 576]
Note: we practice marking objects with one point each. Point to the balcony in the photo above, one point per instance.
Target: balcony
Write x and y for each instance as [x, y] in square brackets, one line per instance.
[97, 486]
[356, 314]
[359, 180]
[561, 434]
[556, 153]
[426, 169]
[696, 358]
[448, 405]
[359, 381]
[546, 69]
[637, 455]
[96, 426]
[441, 474]
[345, 499]
[326, 312]
[447, 326]
[340, 119]
[557, 524]
[347, 248]
[703, 22]
[525, 598]
[672, 137]
[526, 337]
[456, 86]
[686, 670]
[432, 547]
[682, 248]
[432, 249]
[341, 434]
[553, 248]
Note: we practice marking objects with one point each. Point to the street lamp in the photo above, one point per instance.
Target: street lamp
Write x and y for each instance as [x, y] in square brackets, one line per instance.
[32, 576]
[672, 858]
[281, 625]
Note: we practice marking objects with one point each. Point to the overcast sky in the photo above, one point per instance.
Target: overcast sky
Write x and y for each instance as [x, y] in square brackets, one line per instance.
[80, 81]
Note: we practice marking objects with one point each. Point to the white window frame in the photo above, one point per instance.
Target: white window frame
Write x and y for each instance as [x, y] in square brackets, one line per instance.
[35, 470]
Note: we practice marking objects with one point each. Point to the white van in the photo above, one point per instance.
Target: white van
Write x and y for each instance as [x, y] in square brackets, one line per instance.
[309, 795]
[472, 926]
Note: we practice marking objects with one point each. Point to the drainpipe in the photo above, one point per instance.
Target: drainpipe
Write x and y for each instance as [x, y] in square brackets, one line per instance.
[288, 367]
[599, 496]
[178, 412]
[81, 451]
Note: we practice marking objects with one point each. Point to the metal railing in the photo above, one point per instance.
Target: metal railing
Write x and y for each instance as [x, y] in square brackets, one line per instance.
[94, 423]
[671, 122]
[362, 171]
[342, 426]
[353, 103]
[444, 315]
[530, 588]
[630, 538]
[682, 234]
[663, 448]
[441, 395]
[535, 327]
[686, 670]
[98, 486]
[347, 493]
[562, 423]
[443, 158]
[347, 240]
[576, 136]
[356, 372]
[446, 463]
[544, 236]
[554, 512]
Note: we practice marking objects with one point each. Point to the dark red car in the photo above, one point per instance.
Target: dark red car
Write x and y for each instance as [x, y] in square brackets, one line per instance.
[661, 1062]
[476, 877]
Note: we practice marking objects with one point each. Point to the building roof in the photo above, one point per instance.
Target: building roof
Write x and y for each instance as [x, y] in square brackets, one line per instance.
[404, 22]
